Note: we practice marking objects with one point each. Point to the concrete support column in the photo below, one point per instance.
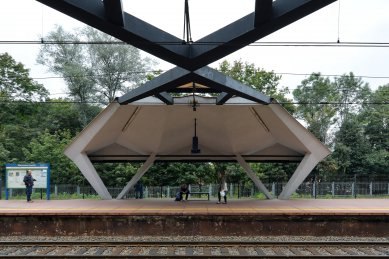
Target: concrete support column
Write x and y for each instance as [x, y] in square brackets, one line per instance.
[253, 176]
[88, 170]
[141, 171]
[305, 167]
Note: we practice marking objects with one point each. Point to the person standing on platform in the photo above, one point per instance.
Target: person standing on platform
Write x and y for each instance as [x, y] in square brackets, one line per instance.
[139, 190]
[222, 191]
[29, 182]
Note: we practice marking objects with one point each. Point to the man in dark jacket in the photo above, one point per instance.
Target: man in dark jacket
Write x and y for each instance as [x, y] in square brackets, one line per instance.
[29, 182]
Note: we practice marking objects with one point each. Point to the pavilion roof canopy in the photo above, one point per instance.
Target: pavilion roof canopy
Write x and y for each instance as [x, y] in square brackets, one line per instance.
[256, 132]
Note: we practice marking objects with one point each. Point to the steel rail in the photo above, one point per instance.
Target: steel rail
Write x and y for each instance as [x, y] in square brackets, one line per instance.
[27, 247]
[192, 243]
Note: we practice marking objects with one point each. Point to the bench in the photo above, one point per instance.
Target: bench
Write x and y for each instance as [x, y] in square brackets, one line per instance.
[199, 194]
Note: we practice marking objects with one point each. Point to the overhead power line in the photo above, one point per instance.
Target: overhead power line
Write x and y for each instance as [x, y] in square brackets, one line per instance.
[162, 71]
[296, 103]
[359, 44]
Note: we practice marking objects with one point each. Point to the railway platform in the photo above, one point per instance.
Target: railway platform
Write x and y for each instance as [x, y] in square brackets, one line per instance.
[159, 217]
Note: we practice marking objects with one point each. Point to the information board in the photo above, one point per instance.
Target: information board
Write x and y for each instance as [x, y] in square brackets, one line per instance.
[16, 172]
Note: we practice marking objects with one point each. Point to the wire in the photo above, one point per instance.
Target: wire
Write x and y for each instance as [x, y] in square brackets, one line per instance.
[162, 71]
[296, 103]
[330, 75]
[339, 22]
[254, 44]
[96, 75]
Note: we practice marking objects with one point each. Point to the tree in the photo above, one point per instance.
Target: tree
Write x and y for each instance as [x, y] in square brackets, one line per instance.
[48, 148]
[15, 83]
[259, 79]
[351, 147]
[17, 91]
[375, 119]
[60, 114]
[352, 91]
[313, 96]
[93, 72]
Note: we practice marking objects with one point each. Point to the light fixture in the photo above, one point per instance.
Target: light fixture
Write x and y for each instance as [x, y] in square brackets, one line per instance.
[194, 102]
[195, 140]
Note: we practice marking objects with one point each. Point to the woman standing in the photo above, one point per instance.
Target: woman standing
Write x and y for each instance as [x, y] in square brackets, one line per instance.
[222, 191]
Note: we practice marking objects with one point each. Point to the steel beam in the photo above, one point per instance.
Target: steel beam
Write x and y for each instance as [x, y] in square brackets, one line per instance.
[223, 98]
[168, 80]
[205, 76]
[165, 97]
[134, 31]
[262, 22]
[263, 11]
[114, 11]
[219, 81]
[244, 31]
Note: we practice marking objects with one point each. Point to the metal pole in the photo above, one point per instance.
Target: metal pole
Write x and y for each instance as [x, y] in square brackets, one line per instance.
[352, 189]
[333, 189]
[314, 189]
[355, 188]
[371, 188]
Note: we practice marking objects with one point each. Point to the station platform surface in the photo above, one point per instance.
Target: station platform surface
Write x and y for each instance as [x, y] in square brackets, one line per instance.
[161, 207]
[161, 217]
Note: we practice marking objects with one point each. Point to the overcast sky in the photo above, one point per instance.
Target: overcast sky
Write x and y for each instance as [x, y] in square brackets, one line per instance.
[359, 21]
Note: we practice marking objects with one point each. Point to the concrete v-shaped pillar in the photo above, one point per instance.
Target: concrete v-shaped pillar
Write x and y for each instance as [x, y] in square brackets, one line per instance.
[253, 176]
[305, 167]
[88, 170]
[141, 171]
[76, 151]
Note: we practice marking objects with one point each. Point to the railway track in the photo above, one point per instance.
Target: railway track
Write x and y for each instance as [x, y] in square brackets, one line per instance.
[193, 249]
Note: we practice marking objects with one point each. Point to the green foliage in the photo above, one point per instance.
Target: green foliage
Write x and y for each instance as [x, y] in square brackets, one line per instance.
[118, 174]
[313, 95]
[93, 72]
[351, 147]
[352, 91]
[49, 148]
[17, 120]
[259, 79]
[15, 83]
[176, 174]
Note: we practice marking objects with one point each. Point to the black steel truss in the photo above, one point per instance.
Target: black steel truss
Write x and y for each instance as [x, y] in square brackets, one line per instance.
[109, 17]
[268, 17]
[216, 82]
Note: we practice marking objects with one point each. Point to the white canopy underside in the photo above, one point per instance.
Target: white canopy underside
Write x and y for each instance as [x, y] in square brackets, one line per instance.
[239, 128]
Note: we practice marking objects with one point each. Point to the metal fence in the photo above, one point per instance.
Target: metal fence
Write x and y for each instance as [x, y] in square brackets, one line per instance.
[237, 191]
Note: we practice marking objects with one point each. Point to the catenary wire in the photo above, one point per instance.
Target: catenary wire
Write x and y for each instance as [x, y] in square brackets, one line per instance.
[254, 44]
